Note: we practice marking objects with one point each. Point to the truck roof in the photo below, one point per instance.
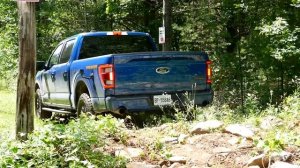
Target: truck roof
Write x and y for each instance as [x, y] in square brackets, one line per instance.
[104, 33]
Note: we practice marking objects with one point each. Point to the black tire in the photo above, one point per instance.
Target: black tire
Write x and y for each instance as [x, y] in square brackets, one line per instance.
[39, 112]
[84, 105]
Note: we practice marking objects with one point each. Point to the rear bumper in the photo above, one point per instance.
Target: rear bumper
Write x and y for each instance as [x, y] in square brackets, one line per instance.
[140, 103]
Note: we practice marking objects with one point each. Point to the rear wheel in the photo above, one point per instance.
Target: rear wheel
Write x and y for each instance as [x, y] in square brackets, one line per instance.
[39, 112]
[84, 105]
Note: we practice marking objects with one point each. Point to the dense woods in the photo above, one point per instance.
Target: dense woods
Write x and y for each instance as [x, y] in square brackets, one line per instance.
[253, 44]
[255, 49]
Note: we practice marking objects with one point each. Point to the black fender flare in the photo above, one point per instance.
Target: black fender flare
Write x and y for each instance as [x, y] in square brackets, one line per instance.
[86, 84]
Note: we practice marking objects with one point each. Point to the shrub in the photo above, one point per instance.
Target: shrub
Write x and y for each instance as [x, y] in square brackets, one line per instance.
[57, 145]
[287, 131]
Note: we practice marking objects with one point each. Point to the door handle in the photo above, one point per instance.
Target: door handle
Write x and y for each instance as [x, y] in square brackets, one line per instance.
[52, 74]
[65, 74]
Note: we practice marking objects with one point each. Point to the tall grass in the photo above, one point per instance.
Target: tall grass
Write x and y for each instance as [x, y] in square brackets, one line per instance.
[7, 113]
[7, 102]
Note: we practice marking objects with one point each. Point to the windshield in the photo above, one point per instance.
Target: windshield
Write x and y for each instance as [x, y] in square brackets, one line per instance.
[102, 45]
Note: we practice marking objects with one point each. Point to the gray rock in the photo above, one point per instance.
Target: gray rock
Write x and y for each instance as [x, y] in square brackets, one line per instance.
[270, 122]
[221, 150]
[129, 153]
[205, 127]
[234, 140]
[280, 164]
[175, 165]
[135, 152]
[282, 156]
[178, 159]
[122, 153]
[240, 130]
[260, 160]
[172, 140]
[98, 150]
[182, 138]
[141, 165]
[253, 167]
[163, 162]
[163, 127]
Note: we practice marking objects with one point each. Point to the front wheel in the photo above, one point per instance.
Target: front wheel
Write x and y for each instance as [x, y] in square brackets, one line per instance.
[84, 104]
[39, 112]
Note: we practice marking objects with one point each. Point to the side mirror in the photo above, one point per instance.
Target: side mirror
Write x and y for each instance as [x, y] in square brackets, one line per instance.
[40, 65]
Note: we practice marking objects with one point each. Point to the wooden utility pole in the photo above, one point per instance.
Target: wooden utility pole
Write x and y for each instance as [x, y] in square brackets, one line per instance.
[167, 23]
[27, 63]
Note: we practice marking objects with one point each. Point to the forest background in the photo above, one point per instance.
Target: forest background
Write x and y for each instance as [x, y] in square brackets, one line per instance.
[254, 44]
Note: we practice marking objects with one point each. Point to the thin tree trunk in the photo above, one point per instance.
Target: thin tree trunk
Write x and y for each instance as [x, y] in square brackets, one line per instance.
[167, 23]
[241, 72]
[27, 59]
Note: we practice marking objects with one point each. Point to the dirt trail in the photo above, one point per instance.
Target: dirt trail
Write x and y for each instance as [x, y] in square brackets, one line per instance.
[176, 145]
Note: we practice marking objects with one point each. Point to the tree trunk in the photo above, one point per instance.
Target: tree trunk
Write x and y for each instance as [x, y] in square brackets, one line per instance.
[167, 23]
[27, 59]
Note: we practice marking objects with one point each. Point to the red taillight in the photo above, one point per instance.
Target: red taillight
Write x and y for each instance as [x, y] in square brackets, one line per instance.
[107, 76]
[208, 72]
[117, 33]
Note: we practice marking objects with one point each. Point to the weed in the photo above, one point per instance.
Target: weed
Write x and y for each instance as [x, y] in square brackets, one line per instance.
[158, 145]
[188, 110]
[60, 145]
[274, 141]
[286, 133]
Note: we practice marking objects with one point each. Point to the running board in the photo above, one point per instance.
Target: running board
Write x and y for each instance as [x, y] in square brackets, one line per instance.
[56, 111]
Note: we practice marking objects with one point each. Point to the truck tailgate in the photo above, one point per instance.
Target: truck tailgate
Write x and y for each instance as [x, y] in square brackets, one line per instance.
[159, 72]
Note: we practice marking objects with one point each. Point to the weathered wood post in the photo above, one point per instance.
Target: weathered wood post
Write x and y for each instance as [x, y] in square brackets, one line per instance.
[27, 61]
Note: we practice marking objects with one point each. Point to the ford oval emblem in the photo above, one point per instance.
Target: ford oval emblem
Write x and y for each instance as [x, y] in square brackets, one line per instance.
[162, 70]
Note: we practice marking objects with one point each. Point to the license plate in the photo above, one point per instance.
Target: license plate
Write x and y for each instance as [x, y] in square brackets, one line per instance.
[162, 100]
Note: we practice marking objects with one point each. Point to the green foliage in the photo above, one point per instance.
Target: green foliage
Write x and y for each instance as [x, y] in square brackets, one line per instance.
[286, 132]
[273, 142]
[282, 41]
[112, 6]
[8, 43]
[247, 67]
[57, 20]
[134, 15]
[198, 26]
[76, 144]
[296, 3]
[251, 105]
[253, 44]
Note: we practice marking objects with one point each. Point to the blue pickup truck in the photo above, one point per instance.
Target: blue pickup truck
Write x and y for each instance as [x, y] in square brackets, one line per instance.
[119, 72]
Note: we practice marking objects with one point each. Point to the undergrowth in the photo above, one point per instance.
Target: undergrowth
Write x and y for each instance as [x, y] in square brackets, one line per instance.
[76, 144]
[284, 123]
[80, 142]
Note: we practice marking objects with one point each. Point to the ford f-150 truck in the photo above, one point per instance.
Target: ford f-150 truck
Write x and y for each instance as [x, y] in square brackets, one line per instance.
[119, 72]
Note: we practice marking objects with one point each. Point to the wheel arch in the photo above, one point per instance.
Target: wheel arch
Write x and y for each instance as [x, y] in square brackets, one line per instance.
[80, 84]
[81, 87]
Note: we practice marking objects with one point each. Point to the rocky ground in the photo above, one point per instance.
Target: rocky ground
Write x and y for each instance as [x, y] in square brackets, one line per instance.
[199, 145]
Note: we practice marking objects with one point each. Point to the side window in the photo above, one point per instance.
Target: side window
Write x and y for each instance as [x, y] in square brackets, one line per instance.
[65, 56]
[55, 56]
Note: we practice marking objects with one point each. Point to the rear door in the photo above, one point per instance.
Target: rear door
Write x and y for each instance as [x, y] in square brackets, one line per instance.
[160, 72]
[61, 83]
[49, 75]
